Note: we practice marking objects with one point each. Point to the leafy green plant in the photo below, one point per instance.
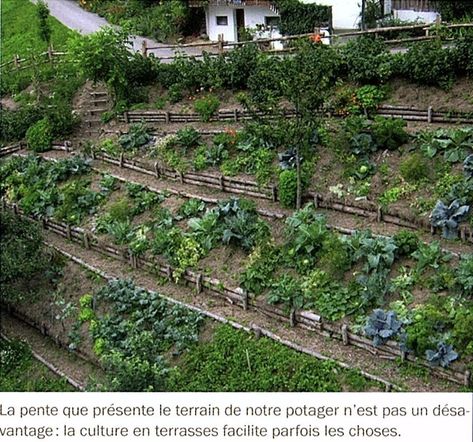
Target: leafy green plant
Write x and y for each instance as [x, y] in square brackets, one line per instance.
[39, 136]
[453, 143]
[449, 218]
[137, 136]
[377, 252]
[414, 168]
[406, 242]
[389, 133]
[286, 290]
[206, 107]
[287, 188]
[464, 275]
[187, 139]
[382, 326]
[430, 256]
[191, 208]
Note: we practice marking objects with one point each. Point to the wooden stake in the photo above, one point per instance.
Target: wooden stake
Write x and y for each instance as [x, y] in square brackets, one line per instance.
[156, 170]
[429, 114]
[467, 378]
[121, 159]
[144, 48]
[344, 330]
[274, 193]
[292, 317]
[379, 214]
[68, 232]
[198, 283]
[222, 183]
[86, 241]
[245, 299]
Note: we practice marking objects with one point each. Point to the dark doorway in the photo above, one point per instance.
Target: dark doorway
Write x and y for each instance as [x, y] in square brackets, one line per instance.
[240, 22]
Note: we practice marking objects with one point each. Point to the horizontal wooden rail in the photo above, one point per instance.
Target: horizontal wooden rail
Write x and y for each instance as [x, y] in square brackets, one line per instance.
[405, 113]
[237, 296]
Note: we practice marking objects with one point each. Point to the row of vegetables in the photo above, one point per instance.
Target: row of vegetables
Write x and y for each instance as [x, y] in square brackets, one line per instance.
[421, 294]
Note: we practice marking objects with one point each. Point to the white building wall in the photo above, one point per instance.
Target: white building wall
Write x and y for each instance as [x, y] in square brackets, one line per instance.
[229, 31]
[345, 13]
[409, 15]
[254, 15]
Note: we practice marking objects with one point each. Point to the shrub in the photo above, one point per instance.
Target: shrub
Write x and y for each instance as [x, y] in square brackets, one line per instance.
[389, 133]
[300, 18]
[14, 124]
[288, 188]
[414, 168]
[206, 107]
[39, 137]
[464, 54]
[428, 63]
[406, 242]
[367, 60]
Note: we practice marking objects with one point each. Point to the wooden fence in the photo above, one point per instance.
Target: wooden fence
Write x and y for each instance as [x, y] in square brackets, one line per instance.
[366, 209]
[239, 297]
[18, 63]
[235, 115]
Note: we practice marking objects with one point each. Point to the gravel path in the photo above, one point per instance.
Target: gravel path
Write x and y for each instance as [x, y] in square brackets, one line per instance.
[74, 17]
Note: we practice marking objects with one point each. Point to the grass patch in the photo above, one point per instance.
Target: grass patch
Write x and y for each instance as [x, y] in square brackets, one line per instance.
[20, 30]
[19, 371]
[236, 361]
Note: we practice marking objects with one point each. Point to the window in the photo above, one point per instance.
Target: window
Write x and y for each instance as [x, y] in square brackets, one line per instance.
[222, 20]
[271, 22]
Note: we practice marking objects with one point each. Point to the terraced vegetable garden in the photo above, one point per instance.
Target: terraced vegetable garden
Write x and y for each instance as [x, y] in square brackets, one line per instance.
[233, 223]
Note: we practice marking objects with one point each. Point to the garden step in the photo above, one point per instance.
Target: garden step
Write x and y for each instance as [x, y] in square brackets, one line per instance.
[98, 101]
[97, 111]
[98, 93]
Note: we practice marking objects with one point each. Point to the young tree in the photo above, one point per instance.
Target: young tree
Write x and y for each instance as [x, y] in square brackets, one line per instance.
[42, 12]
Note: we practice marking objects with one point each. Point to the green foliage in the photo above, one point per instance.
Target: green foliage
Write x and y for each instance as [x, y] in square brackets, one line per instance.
[406, 242]
[328, 297]
[235, 361]
[367, 60]
[206, 107]
[429, 63]
[103, 56]
[300, 18]
[187, 139]
[288, 188]
[378, 253]
[20, 372]
[430, 256]
[464, 276]
[14, 124]
[191, 208]
[286, 290]
[42, 12]
[389, 133]
[258, 273]
[21, 253]
[137, 136]
[131, 343]
[414, 168]
[39, 136]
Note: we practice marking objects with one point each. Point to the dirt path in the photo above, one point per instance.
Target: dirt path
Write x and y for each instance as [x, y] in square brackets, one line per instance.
[74, 367]
[357, 358]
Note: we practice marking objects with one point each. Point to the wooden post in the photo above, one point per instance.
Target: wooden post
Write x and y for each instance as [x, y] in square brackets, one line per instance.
[344, 330]
[235, 114]
[198, 283]
[292, 317]
[274, 193]
[220, 43]
[181, 176]
[403, 356]
[50, 54]
[125, 116]
[316, 200]
[257, 331]
[16, 61]
[379, 214]
[167, 117]
[245, 299]
[15, 208]
[44, 223]
[121, 159]
[463, 233]
[432, 230]
[429, 114]
[169, 272]
[387, 387]
[144, 48]
[68, 232]
[467, 378]
[156, 170]
[222, 183]
[86, 240]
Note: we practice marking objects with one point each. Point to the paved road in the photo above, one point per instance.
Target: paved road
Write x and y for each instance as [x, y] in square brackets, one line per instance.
[74, 17]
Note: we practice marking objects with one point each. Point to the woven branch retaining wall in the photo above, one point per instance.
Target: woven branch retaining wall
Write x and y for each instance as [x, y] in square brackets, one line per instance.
[237, 186]
[235, 115]
[239, 297]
